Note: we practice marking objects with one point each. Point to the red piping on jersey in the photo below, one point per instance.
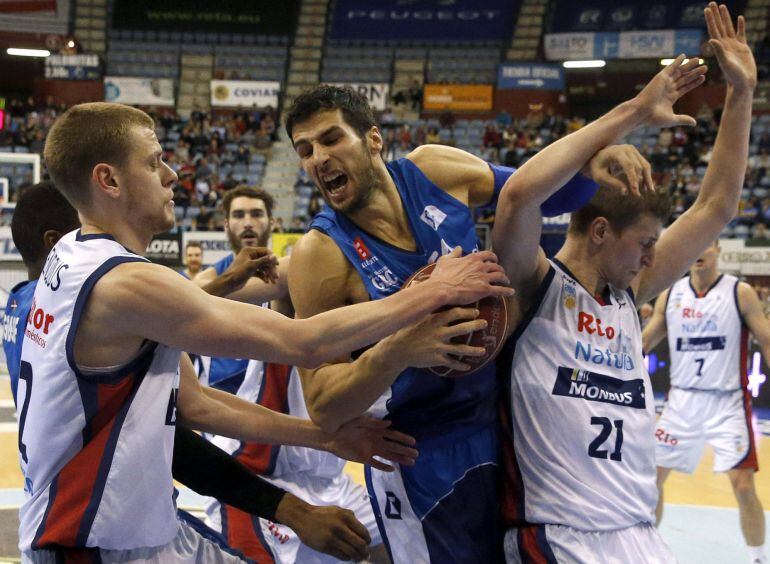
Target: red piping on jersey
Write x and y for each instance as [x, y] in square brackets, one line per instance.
[244, 533]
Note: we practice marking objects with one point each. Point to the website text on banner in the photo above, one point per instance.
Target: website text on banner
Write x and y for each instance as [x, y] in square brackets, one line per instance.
[622, 45]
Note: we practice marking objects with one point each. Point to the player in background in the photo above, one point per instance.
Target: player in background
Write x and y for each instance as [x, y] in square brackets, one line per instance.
[709, 317]
[580, 471]
[41, 217]
[193, 260]
[124, 320]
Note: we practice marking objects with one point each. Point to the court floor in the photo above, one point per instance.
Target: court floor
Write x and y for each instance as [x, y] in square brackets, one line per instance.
[700, 524]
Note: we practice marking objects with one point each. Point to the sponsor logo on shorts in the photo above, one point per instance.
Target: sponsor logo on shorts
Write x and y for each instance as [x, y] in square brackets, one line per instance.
[433, 217]
[592, 386]
[665, 438]
[700, 344]
[392, 506]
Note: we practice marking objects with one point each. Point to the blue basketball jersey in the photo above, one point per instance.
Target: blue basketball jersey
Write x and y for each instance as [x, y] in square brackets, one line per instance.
[419, 403]
[14, 320]
[226, 373]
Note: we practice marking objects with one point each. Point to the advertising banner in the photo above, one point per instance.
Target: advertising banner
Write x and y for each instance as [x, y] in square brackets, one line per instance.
[737, 258]
[73, 67]
[214, 244]
[165, 249]
[139, 91]
[423, 19]
[622, 45]
[261, 17]
[283, 243]
[377, 94]
[523, 75]
[8, 250]
[245, 93]
[458, 97]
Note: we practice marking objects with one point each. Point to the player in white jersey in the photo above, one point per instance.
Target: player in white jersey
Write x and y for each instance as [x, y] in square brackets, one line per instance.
[314, 476]
[101, 378]
[708, 317]
[580, 455]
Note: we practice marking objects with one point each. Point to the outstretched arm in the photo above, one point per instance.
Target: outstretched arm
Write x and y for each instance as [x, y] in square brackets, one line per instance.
[656, 328]
[516, 235]
[754, 317]
[717, 203]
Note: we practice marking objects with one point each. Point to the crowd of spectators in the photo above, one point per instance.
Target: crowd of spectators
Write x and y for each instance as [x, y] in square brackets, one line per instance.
[211, 153]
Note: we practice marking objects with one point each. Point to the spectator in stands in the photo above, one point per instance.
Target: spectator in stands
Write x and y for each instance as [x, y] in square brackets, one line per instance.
[278, 225]
[388, 118]
[492, 143]
[504, 120]
[759, 231]
[432, 137]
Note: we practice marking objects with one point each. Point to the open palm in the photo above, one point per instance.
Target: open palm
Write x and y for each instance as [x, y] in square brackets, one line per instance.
[730, 47]
[670, 84]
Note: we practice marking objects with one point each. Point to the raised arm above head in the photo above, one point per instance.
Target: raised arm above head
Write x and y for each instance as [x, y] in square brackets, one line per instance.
[717, 202]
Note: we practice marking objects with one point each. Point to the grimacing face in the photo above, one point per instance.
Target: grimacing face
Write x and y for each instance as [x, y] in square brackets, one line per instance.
[248, 224]
[337, 159]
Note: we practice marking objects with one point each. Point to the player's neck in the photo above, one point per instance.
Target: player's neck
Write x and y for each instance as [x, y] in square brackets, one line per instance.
[122, 233]
[702, 280]
[384, 215]
[582, 263]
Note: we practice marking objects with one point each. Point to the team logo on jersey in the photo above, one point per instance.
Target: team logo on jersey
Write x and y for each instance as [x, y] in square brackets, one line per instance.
[392, 506]
[592, 386]
[52, 270]
[700, 344]
[10, 325]
[568, 293]
[433, 217]
[361, 249]
[665, 438]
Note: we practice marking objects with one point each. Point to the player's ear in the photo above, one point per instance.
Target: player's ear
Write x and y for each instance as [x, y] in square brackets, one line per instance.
[50, 238]
[375, 140]
[598, 230]
[104, 178]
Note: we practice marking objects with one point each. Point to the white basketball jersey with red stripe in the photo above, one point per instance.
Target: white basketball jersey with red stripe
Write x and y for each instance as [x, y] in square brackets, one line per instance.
[707, 338]
[581, 412]
[95, 444]
[279, 388]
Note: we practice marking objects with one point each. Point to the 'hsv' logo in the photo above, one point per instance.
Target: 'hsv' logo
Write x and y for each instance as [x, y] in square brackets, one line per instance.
[587, 323]
[361, 249]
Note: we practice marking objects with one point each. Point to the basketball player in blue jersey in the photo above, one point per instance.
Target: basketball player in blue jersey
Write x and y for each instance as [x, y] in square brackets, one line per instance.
[103, 343]
[709, 317]
[41, 217]
[248, 225]
[580, 452]
[382, 222]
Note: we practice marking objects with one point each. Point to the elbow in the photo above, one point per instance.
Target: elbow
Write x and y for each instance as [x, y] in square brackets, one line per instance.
[321, 413]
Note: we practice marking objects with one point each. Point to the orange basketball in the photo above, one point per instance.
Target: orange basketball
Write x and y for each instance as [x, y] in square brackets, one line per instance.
[494, 309]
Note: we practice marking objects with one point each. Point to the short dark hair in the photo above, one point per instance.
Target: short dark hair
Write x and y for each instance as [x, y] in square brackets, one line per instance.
[324, 97]
[40, 208]
[248, 192]
[620, 210]
[193, 244]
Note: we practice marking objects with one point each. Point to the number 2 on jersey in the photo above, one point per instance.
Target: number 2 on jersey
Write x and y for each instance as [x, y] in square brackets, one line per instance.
[25, 373]
[594, 449]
